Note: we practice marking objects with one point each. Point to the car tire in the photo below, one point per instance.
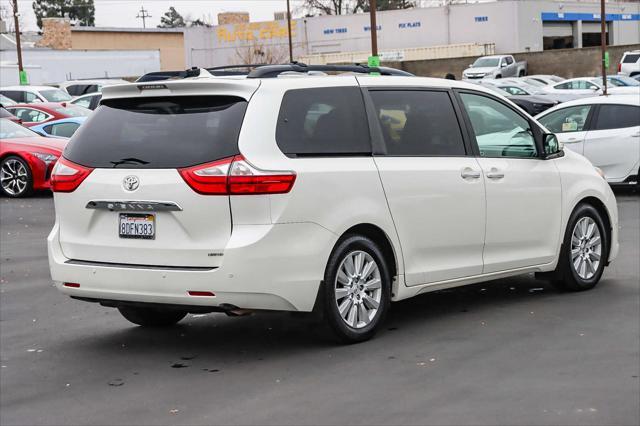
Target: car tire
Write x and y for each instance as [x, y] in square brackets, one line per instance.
[584, 251]
[522, 73]
[16, 179]
[357, 289]
[498, 76]
[152, 317]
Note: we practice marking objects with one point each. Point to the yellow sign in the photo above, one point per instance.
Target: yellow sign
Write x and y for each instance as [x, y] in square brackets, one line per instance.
[255, 31]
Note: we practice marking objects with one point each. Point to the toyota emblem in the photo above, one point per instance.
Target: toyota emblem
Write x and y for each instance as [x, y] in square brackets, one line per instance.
[130, 183]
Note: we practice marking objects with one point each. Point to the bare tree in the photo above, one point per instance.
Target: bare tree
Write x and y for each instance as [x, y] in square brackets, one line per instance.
[257, 53]
[330, 7]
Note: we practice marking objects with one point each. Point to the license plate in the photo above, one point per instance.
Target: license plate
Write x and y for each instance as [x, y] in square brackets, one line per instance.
[137, 225]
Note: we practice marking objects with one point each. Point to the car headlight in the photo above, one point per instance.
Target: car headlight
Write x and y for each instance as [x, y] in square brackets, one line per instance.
[600, 172]
[46, 158]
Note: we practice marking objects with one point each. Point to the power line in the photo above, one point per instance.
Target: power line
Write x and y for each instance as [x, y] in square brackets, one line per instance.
[143, 14]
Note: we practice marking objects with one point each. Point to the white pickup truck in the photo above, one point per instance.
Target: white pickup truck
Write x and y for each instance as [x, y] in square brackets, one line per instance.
[497, 66]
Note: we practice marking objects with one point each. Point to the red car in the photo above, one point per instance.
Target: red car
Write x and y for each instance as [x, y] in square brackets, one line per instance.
[41, 112]
[26, 159]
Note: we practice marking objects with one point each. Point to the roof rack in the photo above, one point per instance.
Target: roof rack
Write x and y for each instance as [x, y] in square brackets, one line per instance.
[271, 71]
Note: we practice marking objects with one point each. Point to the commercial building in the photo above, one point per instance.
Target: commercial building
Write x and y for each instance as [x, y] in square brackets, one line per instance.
[513, 26]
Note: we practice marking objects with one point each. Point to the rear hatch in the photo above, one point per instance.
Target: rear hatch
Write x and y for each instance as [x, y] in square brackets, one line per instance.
[134, 206]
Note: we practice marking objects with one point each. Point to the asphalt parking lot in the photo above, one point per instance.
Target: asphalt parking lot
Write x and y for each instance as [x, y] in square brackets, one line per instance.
[512, 351]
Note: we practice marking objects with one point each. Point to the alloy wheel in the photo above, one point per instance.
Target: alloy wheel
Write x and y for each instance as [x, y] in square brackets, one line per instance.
[586, 248]
[14, 177]
[358, 289]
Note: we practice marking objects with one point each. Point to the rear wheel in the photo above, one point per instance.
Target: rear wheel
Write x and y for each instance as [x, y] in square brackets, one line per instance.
[152, 317]
[357, 289]
[584, 252]
[16, 179]
[521, 73]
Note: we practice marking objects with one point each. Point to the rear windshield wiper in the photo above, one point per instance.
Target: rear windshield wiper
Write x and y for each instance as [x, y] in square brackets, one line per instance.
[128, 161]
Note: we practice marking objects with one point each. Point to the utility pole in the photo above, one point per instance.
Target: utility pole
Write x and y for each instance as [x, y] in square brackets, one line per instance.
[143, 14]
[603, 44]
[290, 36]
[374, 28]
[16, 22]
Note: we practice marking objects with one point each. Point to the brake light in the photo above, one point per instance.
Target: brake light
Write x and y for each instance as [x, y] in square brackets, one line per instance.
[236, 176]
[67, 176]
[620, 67]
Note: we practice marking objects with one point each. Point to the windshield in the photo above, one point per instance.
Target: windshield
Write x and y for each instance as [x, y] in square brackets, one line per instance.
[55, 95]
[73, 110]
[11, 130]
[623, 80]
[486, 62]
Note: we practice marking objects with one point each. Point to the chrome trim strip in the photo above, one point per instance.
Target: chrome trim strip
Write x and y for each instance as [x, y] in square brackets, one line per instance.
[135, 266]
[133, 206]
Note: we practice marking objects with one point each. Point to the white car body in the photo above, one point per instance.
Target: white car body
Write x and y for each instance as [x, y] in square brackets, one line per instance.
[614, 149]
[32, 94]
[544, 79]
[447, 221]
[630, 63]
[587, 86]
[500, 66]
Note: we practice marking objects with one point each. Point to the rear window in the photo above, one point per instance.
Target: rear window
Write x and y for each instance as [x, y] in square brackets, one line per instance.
[631, 59]
[323, 121]
[157, 133]
[72, 110]
[55, 95]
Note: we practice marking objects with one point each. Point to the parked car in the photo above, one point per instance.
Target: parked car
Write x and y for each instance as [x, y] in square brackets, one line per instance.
[30, 94]
[292, 193]
[8, 116]
[588, 86]
[621, 80]
[532, 104]
[543, 79]
[630, 63]
[517, 86]
[4, 101]
[44, 112]
[605, 129]
[90, 101]
[63, 128]
[497, 66]
[83, 87]
[26, 159]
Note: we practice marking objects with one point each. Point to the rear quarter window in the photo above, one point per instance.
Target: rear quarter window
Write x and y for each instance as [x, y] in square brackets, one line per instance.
[323, 122]
[169, 132]
[617, 117]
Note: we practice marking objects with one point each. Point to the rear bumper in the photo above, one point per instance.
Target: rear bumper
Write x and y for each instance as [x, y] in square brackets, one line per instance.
[266, 267]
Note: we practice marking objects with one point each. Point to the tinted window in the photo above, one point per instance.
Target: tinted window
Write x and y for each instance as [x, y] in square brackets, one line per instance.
[15, 95]
[565, 120]
[509, 60]
[323, 121]
[631, 59]
[63, 129]
[617, 117]
[76, 89]
[499, 130]
[419, 123]
[168, 132]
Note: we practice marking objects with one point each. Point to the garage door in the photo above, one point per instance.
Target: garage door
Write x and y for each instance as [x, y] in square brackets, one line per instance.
[557, 35]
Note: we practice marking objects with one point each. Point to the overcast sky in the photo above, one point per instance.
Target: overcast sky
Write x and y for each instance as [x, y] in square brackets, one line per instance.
[122, 13]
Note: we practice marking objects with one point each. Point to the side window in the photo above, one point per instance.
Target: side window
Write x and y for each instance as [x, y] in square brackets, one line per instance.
[15, 95]
[84, 102]
[75, 89]
[47, 129]
[418, 123]
[323, 121]
[514, 90]
[509, 60]
[64, 129]
[566, 120]
[29, 115]
[499, 130]
[617, 117]
[30, 97]
[563, 86]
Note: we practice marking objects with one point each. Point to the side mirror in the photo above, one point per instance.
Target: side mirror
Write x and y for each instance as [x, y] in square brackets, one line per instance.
[470, 65]
[551, 145]
[503, 65]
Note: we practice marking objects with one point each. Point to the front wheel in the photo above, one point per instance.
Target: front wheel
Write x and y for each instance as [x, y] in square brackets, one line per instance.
[152, 317]
[357, 289]
[16, 180]
[584, 252]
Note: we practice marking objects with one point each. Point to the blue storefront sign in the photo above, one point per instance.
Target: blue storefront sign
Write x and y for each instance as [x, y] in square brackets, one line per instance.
[570, 16]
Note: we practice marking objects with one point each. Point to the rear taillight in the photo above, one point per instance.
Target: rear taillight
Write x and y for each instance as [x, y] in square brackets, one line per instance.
[620, 67]
[67, 176]
[236, 176]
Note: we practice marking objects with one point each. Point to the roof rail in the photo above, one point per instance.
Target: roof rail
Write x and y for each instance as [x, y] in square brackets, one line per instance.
[271, 71]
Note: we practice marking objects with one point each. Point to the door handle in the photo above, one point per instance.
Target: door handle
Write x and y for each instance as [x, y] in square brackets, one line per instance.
[495, 174]
[469, 173]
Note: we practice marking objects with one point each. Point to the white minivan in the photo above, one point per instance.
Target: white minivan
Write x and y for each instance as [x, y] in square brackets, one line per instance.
[291, 191]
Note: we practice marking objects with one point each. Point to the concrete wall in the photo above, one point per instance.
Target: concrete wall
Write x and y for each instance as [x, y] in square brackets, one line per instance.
[53, 66]
[169, 44]
[566, 63]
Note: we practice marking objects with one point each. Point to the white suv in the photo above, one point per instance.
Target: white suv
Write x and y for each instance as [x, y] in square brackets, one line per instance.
[301, 192]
